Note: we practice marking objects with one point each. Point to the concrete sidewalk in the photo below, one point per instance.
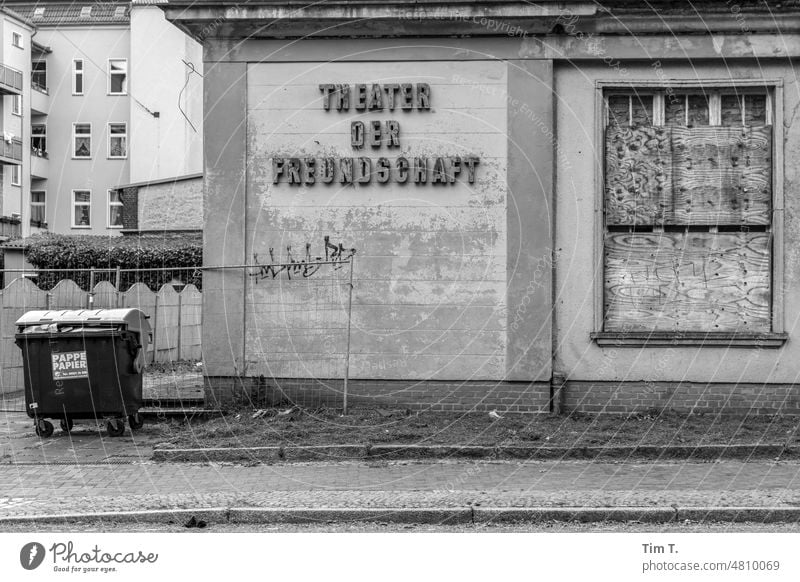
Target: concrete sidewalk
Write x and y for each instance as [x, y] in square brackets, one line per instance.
[87, 474]
[404, 491]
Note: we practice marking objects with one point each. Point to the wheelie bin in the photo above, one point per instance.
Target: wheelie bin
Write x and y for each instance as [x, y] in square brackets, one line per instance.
[84, 364]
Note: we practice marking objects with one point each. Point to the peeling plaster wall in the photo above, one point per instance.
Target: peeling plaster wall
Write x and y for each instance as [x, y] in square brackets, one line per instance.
[430, 278]
[171, 206]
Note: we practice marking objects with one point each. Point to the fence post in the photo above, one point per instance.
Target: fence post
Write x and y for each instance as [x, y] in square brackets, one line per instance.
[116, 285]
[155, 330]
[180, 324]
[349, 319]
[90, 297]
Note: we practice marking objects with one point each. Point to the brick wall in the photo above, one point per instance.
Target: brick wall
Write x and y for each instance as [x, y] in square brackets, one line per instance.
[725, 398]
[505, 397]
[130, 208]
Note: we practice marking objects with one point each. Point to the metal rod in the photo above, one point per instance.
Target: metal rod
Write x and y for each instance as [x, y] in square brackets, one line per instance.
[180, 328]
[117, 283]
[203, 268]
[349, 319]
[90, 297]
[155, 330]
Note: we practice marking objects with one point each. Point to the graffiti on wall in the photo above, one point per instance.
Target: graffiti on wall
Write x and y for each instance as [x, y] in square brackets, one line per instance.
[336, 256]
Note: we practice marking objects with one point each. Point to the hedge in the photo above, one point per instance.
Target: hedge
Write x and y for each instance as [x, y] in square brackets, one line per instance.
[76, 255]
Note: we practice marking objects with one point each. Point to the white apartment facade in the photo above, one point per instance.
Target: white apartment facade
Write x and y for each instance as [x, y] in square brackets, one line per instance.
[111, 96]
[15, 65]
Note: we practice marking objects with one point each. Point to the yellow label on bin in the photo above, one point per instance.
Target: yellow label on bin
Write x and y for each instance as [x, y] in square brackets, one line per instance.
[68, 365]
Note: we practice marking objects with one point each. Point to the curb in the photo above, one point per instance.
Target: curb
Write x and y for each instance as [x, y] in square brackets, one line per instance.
[429, 515]
[386, 452]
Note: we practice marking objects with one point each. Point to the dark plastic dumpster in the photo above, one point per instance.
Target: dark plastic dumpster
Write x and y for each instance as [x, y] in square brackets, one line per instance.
[83, 364]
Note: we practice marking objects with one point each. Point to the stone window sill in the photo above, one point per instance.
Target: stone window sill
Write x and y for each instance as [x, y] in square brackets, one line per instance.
[689, 338]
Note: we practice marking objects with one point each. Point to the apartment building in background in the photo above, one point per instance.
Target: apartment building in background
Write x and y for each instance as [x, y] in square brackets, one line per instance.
[108, 105]
[15, 70]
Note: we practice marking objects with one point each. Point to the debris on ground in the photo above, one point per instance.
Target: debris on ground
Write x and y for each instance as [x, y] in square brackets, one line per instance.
[297, 426]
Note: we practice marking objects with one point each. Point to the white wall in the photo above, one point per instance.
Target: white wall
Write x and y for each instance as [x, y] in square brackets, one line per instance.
[165, 146]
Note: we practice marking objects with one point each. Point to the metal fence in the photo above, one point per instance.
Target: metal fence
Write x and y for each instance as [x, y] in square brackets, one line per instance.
[298, 318]
[174, 375]
[298, 325]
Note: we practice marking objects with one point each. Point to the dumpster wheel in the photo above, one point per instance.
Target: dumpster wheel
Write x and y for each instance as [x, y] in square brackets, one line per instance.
[66, 424]
[44, 428]
[116, 427]
[136, 421]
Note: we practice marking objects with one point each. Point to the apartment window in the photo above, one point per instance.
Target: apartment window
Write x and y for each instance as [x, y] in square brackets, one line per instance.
[39, 140]
[82, 140]
[117, 76]
[688, 195]
[39, 75]
[81, 208]
[117, 140]
[16, 175]
[16, 39]
[114, 209]
[77, 77]
[16, 104]
[38, 209]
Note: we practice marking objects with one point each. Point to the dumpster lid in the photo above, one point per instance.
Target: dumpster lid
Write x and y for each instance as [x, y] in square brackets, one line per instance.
[134, 319]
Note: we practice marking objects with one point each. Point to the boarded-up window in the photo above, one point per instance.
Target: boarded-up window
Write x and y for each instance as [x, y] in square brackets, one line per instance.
[688, 207]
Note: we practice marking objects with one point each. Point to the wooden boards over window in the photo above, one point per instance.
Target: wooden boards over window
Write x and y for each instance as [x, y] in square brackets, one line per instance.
[687, 281]
[688, 176]
[688, 212]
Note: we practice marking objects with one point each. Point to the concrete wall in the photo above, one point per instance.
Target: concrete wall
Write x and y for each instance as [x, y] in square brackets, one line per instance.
[95, 45]
[451, 283]
[171, 206]
[168, 145]
[430, 260]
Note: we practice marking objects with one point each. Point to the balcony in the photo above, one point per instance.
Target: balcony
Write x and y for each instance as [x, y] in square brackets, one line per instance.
[10, 227]
[10, 81]
[40, 100]
[39, 164]
[10, 151]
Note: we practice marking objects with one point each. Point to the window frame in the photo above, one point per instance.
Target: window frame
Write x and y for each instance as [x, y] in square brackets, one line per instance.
[17, 36]
[123, 135]
[16, 105]
[110, 76]
[75, 74]
[39, 135]
[43, 204]
[109, 205]
[75, 204]
[39, 87]
[16, 172]
[774, 88]
[75, 136]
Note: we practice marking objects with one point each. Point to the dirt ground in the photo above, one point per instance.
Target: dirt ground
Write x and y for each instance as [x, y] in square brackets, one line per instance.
[294, 426]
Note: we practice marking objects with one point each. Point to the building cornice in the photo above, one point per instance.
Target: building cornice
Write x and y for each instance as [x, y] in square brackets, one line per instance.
[436, 18]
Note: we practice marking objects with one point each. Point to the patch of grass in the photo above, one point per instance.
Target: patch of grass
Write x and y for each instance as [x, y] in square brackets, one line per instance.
[368, 425]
